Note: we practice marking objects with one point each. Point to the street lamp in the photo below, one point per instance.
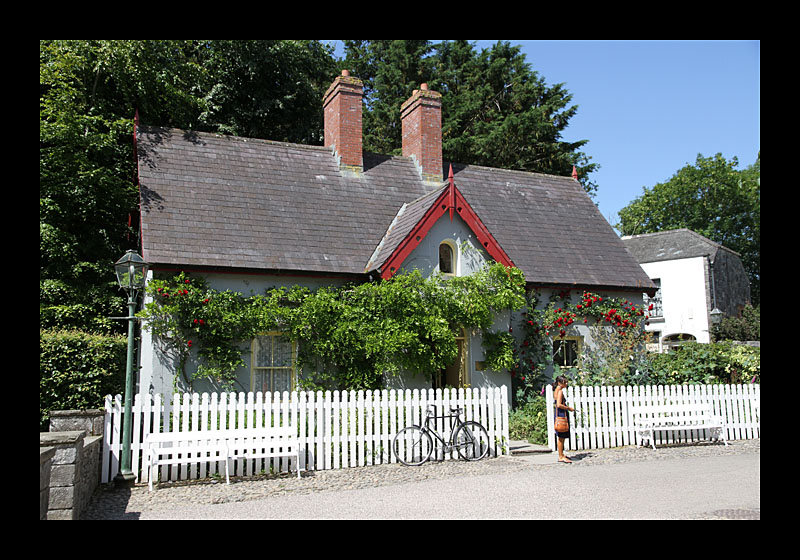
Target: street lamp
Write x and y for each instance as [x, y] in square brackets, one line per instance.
[716, 316]
[131, 275]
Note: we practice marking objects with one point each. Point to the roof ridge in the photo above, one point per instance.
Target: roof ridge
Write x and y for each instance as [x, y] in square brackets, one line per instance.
[233, 138]
[506, 170]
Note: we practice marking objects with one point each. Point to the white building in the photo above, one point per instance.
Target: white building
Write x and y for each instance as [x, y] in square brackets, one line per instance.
[694, 276]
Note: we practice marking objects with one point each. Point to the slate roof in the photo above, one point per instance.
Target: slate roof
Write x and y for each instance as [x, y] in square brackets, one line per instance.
[670, 245]
[218, 201]
[407, 217]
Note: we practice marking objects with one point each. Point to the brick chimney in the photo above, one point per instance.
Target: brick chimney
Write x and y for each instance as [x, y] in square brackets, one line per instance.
[421, 115]
[342, 109]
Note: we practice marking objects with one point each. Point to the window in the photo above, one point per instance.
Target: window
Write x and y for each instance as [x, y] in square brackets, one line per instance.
[447, 261]
[272, 366]
[655, 301]
[567, 351]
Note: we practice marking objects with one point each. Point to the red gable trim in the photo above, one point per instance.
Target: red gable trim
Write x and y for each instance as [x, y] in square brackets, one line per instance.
[450, 200]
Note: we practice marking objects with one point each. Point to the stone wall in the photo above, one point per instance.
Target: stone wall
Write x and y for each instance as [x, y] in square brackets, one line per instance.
[73, 449]
[45, 460]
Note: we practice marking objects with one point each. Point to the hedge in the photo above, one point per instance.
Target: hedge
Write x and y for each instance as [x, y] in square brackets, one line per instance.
[77, 369]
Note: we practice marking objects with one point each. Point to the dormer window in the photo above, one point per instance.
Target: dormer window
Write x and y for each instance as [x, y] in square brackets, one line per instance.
[447, 259]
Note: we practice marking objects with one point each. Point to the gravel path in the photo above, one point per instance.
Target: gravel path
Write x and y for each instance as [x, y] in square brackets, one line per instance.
[110, 503]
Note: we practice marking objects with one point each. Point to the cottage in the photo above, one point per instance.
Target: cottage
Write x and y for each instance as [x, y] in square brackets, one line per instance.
[694, 276]
[249, 214]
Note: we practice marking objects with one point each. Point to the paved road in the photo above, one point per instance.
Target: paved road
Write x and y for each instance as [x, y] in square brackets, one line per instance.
[705, 487]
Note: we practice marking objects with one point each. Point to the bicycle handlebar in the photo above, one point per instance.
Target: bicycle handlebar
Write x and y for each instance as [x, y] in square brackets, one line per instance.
[456, 409]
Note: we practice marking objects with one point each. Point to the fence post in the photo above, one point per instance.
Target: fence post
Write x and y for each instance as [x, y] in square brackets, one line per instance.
[548, 399]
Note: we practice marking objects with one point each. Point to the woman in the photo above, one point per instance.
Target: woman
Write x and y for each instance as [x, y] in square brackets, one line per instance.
[561, 410]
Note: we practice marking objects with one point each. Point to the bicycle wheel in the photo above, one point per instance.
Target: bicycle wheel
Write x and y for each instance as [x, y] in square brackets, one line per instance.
[472, 441]
[412, 446]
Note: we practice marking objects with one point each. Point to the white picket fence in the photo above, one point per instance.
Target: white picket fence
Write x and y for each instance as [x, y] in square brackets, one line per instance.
[335, 429]
[602, 418]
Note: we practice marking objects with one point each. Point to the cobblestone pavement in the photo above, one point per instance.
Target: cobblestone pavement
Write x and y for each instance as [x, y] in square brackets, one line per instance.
[111, 503]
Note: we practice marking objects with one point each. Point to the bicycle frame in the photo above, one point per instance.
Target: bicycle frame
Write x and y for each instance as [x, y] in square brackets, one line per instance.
[455, 423]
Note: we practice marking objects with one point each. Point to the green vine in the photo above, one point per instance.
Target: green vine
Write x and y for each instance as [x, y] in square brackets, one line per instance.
[349, 336]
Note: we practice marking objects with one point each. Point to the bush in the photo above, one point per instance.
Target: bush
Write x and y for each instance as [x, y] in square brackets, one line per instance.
[77, 370]
[694, 362]
[529, 421]
[746, 327]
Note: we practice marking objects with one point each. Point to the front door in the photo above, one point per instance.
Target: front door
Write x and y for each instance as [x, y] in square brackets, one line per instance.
[454, 375]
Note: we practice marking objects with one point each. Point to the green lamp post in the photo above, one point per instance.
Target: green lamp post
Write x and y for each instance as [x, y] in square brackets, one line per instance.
[131, 275]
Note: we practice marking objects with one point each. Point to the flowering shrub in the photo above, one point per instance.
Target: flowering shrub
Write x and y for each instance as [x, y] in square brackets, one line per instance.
[617, 326]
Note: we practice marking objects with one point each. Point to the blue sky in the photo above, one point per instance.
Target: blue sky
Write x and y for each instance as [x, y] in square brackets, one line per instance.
[648, 108]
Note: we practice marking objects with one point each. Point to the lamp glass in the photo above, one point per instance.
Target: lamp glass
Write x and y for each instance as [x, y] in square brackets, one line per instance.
[131, 271]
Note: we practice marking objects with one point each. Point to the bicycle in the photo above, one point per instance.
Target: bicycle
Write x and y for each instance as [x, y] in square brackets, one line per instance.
[413, 445]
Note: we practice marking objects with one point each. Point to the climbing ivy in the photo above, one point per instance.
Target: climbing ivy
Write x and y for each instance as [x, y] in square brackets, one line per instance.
[348, 336]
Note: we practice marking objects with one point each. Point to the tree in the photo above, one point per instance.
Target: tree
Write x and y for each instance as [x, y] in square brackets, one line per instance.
[712, 198]
[89, 92]
[496, 112]
[267, 88]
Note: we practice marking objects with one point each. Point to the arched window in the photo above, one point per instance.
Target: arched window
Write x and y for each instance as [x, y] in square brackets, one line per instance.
[447, 260]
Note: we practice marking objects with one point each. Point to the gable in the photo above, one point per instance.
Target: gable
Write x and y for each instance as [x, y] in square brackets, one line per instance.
[415, 220]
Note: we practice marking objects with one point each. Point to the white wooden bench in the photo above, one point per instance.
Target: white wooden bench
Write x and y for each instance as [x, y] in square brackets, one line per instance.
[170, 448]
[648, 419]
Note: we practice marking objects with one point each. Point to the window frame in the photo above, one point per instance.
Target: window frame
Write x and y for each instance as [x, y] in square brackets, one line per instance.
[578, 350]
[254, 369]
[453, 257]
[657, 301]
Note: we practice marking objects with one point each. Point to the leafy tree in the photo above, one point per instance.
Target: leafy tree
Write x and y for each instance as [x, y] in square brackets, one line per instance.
[89, 92]
[496, 111]
[267, 88]
[390, 70]
[712, 198]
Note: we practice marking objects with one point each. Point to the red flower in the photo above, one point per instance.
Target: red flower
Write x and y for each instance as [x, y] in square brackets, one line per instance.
[189, 344]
